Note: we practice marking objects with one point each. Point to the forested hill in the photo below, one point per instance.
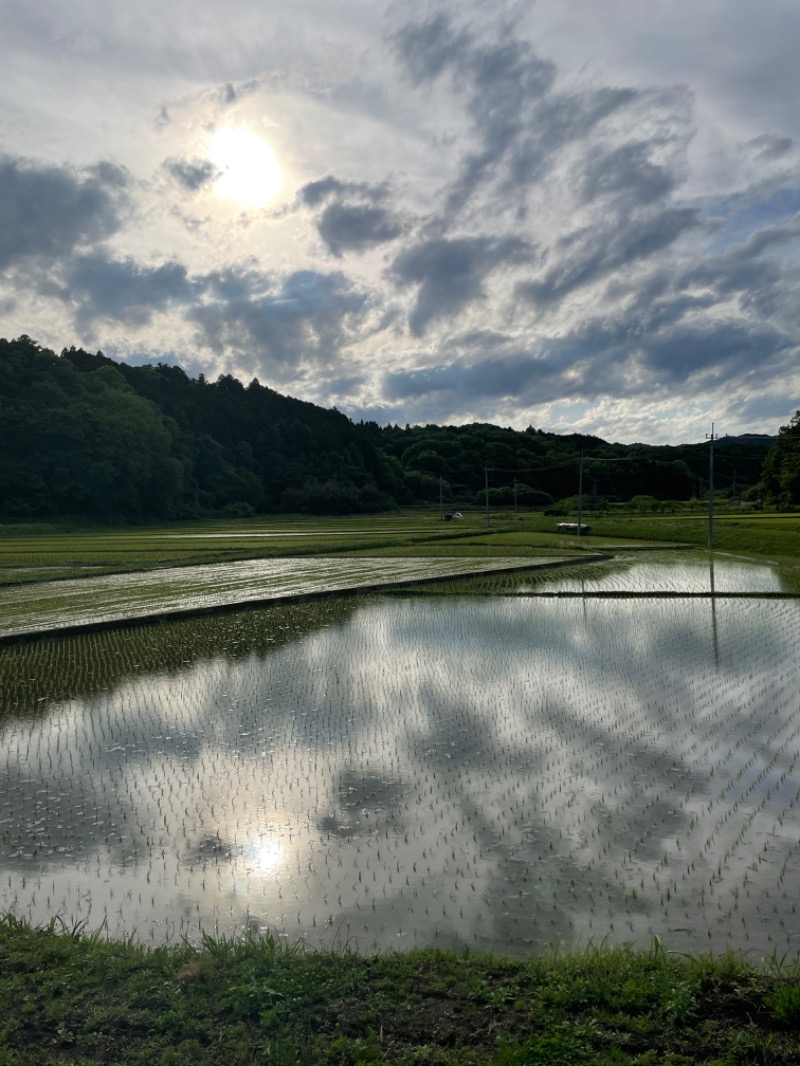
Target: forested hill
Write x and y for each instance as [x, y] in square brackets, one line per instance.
[84, 436]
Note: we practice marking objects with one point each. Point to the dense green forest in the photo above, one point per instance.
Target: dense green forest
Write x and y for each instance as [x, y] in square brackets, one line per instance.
[84, 436]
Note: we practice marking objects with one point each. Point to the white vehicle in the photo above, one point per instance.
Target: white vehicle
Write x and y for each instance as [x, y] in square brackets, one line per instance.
[573, 527]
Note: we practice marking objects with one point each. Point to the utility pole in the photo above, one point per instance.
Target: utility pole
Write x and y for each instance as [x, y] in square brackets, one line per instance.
[515, 495]
[711, 437]
[580, 495]
[441, 500]
[486, 487]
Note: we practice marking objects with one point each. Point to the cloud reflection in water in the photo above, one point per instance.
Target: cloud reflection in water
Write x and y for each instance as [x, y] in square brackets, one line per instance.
[496, 772]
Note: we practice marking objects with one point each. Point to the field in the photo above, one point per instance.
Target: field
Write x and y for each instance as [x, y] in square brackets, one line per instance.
[45, 553]
[767, 535]
[70, 605]
[527, 763]
[502, 771]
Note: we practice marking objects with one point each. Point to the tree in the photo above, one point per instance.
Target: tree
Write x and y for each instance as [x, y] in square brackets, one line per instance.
[780, 478]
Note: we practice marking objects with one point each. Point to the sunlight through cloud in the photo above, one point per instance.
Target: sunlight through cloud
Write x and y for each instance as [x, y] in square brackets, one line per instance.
[247, 167]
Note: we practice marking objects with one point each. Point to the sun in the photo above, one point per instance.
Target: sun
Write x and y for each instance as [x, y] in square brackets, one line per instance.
[247, 168]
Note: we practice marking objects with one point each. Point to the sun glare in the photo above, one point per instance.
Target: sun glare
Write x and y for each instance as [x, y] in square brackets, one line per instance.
[248, 169]
[265, 855]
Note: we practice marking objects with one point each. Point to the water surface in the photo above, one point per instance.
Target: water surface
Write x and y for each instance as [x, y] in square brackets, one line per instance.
[499, 772]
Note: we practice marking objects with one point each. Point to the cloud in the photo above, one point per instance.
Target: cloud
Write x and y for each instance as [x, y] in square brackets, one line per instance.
[626, 171]
[277, 323]
[769, 146]
[451, 273]
[502, 74]
[557, 121]
[317, 192]
[353, 218]
[578, 214]
[513, 378]
[123, 290]
[49, 211]
[710, 350]
[192, 174]
[356, 227]
[592, 254]
[501, 79]
[599, 357]
[521, 123]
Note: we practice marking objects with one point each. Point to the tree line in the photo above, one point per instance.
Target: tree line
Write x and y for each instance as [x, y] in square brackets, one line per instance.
[84, 436]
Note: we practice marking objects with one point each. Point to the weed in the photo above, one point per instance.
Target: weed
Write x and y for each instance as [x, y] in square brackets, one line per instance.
[784, 1003]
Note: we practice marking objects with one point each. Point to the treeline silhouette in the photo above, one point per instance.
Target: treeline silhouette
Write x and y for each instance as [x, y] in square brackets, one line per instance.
[84, 436]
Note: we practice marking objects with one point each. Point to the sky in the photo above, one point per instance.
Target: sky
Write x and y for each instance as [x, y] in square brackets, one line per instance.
[579, 216]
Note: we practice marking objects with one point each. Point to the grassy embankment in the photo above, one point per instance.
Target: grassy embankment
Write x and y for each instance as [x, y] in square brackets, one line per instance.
[78, 999]
[70, 998]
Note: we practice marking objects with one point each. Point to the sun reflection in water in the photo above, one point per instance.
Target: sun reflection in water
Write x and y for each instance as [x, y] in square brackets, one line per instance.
[265, 854]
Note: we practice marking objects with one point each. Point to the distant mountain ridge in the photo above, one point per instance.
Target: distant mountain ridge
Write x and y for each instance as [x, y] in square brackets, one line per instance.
[85, 436]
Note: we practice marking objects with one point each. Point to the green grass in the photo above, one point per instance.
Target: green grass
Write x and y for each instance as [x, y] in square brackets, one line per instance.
[775, 537]
[73, 998]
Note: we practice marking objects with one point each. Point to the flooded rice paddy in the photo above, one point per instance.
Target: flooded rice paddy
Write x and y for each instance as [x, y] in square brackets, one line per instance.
[83, 604]
[388, 771]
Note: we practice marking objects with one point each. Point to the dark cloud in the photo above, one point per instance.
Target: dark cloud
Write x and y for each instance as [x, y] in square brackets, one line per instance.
[356, 227]
[277, 323]
[593, 361]
[513, 377]
[752, 272]
[235, 284]
[192, 174]
[626, 171]
[591, 255]
[353, 219]
[714, 350]
[317, 192]
[503, 80]
[558, 120]
[430, 48]
[123, 290]
[769, 146]
[519, 121]
[503, 76]
[50, 211]
[452, 273]
[760, 274]
[344, 384]
[522, 125]
[495, 373]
